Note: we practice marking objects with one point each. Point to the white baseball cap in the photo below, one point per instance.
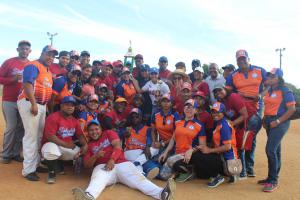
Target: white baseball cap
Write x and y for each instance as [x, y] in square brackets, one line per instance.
[200, 69]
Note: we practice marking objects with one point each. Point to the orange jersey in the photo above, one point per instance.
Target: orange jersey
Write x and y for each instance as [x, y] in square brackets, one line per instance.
[139, 138]
[42, 82]
[188, 134]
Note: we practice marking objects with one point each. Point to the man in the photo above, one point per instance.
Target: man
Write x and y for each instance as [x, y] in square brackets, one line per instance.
[139, 61]
[214, 79]
[37, 90]
[105, 75]
[84, 58]
[74, 58]
[11, 79]
[163, 71]
[86, 73]
[60, 68]
[181, 65]
[195, 64]
[96, 66]
[106, 157]
[228, 69]
[60, 129]
[248, 81]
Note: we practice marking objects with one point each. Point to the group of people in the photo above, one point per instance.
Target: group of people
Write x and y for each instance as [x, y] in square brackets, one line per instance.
[134, 125]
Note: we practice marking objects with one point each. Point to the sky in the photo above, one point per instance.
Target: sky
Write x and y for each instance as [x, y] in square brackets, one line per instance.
[211, 31]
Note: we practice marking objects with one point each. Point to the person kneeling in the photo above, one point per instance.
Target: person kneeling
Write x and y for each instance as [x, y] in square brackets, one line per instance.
[60, 129]
[110, 166]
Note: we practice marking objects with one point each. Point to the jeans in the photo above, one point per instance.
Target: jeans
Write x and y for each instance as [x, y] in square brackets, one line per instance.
[255, 124]
[273, 150]
[242, 157]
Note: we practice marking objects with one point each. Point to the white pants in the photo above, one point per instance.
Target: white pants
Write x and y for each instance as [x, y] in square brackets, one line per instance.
[125, 173]
[34, 127]
[51, 151]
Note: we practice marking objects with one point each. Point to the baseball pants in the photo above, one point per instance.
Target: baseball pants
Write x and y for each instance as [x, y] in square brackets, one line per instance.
[51, 151]
[125, 173]
[34, 127]
[14, 132]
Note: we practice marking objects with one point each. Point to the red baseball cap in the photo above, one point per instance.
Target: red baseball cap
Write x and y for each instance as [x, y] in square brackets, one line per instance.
[117, 63]
[186, 85]
[199, 93]
[107, 63]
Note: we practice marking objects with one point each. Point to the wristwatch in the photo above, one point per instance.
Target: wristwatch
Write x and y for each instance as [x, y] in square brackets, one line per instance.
[277, 121]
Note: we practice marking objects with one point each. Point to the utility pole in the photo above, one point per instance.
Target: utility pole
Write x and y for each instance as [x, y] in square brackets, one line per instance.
[280, 55]
[51, 36]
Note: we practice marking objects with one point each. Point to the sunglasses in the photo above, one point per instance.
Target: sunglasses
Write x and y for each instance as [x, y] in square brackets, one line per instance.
[74, 57]
[177, 78]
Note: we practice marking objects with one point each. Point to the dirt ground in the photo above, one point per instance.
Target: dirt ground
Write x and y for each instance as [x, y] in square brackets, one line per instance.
[14, 187]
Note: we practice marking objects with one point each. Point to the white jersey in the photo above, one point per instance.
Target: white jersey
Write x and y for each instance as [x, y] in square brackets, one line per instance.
[156, 90]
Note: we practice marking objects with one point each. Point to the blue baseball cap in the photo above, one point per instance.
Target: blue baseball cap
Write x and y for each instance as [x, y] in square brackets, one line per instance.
[163, 59]
[144, 67]
[93, 121]
[153, 70]
[192, 102]
[68, 99]
[49, 48]
[277, 72]
[219, 107]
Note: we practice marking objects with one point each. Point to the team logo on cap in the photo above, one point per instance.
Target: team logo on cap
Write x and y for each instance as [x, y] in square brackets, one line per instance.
[169, 122]
[273, 95]
[191, 127]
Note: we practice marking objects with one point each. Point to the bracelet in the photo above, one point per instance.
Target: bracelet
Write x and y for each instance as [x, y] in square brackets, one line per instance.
[277, 121]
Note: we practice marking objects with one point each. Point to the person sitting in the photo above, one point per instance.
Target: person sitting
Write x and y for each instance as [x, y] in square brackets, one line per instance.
[58, 143]
[106, 157]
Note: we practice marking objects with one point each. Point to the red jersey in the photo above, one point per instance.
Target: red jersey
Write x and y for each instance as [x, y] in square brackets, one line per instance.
[163, 75]
[107, 80]
[57, 70]
[64, 128]
[8, 70]
[117, 117]
[203, 87]
[206, 119]
[104, 144]
[233, 104]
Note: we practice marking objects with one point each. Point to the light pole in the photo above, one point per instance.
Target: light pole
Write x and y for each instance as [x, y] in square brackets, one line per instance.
[51, 36]
[280, 55]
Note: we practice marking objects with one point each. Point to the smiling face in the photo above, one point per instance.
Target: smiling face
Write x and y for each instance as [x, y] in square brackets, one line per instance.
[243, 63]
[92, 105]
[94, 131]
[64, 61]
[166, 104]
[24, 50]
[47, 58]
[67, 108]
[217, 116]
[220, 93]
[189, 111]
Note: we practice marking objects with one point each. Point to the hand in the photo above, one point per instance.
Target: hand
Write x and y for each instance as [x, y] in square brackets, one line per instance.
[162, 158]
[127, 133]
[204, 149]
[100, 154]
[18, 77]
[110, 165]
[274, 124]
[70, 145]
[156, 145]
[34, 109]
[147, 153]
[188, 155]
[83, 150]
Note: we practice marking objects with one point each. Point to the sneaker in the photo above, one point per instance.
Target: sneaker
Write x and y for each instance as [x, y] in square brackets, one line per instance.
[152, 173]
[242, 177]
[51, 178]
[169, 190]
[79, 194]
[269, 187]
[251, 174]
[216, 181]
[183, 177]
[232, 179]
[32, 177]
[262, 182]
[5, 160]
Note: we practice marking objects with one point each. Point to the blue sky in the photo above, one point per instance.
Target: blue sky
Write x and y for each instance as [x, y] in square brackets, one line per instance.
[181, 30]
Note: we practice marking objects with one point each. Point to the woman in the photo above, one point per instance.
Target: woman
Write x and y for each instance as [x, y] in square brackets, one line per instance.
[236, 112]
[188, 134]
[210, 160]
[279, 106]
[199, 84]
[89, 88]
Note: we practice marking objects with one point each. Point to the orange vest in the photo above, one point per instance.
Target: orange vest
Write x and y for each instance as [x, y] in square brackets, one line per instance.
[137, 140]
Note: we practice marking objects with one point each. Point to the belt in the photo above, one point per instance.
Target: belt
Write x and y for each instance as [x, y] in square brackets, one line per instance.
[38, 102]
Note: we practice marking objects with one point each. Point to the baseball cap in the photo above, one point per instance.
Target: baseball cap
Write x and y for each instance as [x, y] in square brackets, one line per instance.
[196, 63]
[277, 72]
[49, 48]
[199, 69]
[24, 42]
[153, 70]
[199, 93]
[218, 86]
[117, 63]
[180, 64]
[144, 67]
[229, 66]
[139, 96]
[166, 96]
[63, 53]
[68, 99]
[95, 62]
[107, 64]
[219, 107]
[74, 68]
[120, 100]
[93, 97]
[125, 70]
[74, 53]
[93, 121]
[163, 59]
[85, 53]
[241, 53]
[128, 63]
[186, 85]
[191, 102]
[138, 56]
[136, 110]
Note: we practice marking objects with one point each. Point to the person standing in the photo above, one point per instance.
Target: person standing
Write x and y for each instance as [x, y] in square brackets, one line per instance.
[60, 68]
[37, 90]
[11, 79]
[163, 71]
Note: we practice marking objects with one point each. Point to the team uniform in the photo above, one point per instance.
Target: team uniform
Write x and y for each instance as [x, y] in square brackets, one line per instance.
[84, 117]
[41, 78]
[12, 141]
[123, 172]
[57, 70]
[126, 90]
[208, 123]
[65, 129]
[163, 75]
[61, 88]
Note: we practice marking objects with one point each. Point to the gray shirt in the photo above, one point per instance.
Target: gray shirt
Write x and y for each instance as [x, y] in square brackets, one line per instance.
[220, 80]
